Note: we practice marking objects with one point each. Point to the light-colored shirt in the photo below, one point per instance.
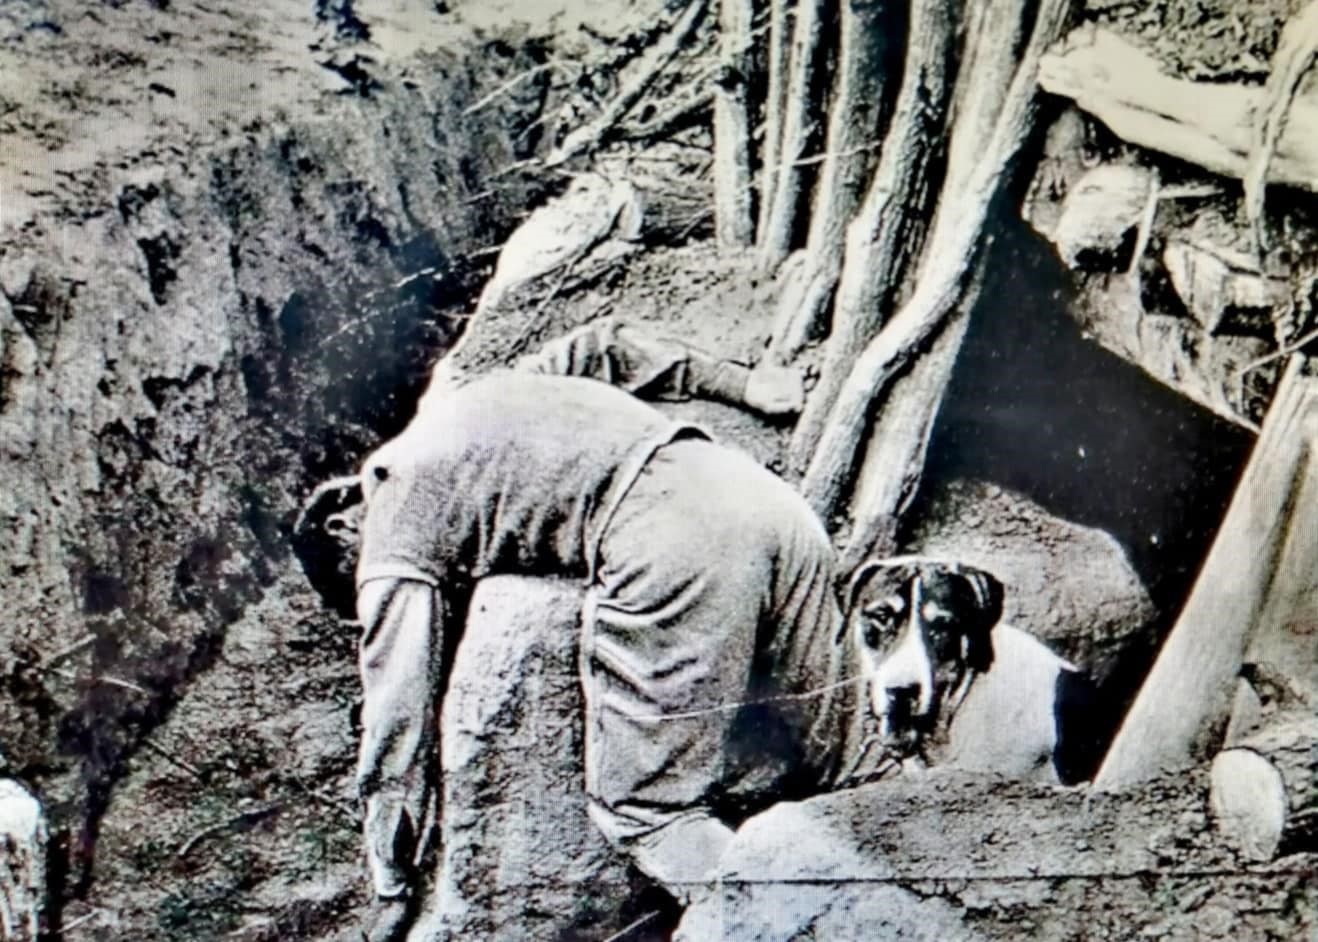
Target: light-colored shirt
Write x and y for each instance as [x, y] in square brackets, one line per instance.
[514, 472]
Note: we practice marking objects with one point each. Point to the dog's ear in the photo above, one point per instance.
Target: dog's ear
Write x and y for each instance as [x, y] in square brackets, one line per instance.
[859, 576]
[987, 593]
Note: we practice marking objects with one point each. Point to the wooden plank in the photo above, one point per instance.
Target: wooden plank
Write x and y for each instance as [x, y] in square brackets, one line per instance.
[1187, 694]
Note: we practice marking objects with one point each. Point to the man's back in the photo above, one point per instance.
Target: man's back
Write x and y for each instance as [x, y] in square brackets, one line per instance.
[513, 472]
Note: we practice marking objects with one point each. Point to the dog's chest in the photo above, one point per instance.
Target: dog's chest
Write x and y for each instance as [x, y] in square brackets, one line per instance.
[1006, 724]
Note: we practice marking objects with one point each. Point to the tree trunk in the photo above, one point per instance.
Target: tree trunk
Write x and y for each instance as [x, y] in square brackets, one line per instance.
[734, 223]
[799, 126]
[775, 107]
[1264, 792]
[1291, 64]
[852, 129]
[885, 489]
[1266, 540]
[23, 837]
[984, 140]
[881, 240]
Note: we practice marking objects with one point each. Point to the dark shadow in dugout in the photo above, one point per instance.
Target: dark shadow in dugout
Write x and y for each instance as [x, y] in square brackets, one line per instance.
[1035, 407]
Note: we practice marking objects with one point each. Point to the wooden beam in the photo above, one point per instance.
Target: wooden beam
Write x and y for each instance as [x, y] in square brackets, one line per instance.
[1268, 531]
[1208, 124]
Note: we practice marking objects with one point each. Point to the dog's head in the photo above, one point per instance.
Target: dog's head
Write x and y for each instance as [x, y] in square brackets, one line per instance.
[923, 629]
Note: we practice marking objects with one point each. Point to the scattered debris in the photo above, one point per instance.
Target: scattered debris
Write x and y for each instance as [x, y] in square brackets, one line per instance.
[1223, 288]
[591, 135]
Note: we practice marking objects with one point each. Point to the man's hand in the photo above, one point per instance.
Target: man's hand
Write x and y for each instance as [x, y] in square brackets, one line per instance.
[775, 390]
[388, 920]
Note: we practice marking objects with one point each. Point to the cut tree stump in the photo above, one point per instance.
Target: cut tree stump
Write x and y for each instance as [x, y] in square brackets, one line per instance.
[1264, 792]
[1258, 570]
[1208, 124]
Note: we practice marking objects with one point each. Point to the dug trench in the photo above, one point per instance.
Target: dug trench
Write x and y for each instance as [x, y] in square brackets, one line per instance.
[189, 345]
[197, 324]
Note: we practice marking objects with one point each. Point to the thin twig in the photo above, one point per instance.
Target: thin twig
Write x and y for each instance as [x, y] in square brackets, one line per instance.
[107, 679]
[696, 220]
[88, 917]
[64, 652]
[510, 85]
[349, 812]
[1293, 347]
[515, 166]
[636, 924]
[170, 757]
[245, 817]
[1145, 230]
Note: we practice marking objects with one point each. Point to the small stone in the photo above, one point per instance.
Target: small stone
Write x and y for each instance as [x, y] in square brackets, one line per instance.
[1100, 216]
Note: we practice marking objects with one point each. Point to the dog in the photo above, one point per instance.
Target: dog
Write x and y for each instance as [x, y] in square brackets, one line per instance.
[951, 685]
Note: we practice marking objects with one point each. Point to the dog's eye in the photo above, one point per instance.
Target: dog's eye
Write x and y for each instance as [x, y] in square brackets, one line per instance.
[880, 614]
[877, 625]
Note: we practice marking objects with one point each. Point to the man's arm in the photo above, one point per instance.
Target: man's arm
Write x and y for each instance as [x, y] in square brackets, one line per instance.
[652, 366]
[680, 852]
[402, 624]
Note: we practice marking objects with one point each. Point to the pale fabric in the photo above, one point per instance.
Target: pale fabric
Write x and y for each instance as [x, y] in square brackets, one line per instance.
[710, 584]
[714, 674]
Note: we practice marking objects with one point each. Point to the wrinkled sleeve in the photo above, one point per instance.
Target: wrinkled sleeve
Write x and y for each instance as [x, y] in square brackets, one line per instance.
[399, 662]
[645, 364]
[681, 851]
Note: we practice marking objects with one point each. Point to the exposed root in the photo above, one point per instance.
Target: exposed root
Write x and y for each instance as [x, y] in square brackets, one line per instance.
[1293, 60]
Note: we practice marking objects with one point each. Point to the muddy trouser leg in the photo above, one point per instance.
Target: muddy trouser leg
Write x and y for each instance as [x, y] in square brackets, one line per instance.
[713, 588]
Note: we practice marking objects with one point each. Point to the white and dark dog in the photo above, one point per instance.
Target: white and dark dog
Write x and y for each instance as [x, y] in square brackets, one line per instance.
[952, 684]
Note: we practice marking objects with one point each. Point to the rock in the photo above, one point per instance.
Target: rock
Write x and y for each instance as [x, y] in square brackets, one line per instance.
[1223, 289]
[1101, 215]
[22, 862]
[521, 858]
[564, 231]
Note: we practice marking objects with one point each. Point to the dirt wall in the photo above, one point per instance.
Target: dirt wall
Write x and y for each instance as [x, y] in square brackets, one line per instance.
[198, 320]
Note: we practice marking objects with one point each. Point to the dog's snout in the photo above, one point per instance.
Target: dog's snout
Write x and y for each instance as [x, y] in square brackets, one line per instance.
[903, 700]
